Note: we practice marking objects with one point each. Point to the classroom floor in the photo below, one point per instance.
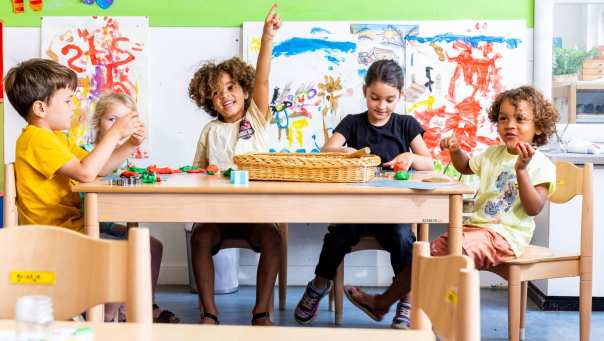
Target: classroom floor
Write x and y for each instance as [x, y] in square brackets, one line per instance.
[236, 309]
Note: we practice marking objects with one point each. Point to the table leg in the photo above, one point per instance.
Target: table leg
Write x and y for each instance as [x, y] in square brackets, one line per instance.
[91, 216]
[455, 223]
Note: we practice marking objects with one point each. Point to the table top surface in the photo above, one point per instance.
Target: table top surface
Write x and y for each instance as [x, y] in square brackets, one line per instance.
[203, 183]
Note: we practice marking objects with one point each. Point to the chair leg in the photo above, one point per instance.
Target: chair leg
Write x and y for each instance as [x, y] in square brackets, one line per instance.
[423, 231]
[339, 292]
[283, 271]
[514, 296]
[585, 302]
[523, 297]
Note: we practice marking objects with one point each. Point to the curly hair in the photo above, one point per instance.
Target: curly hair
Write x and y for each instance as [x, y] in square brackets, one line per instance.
[545, 114]
[205, 82]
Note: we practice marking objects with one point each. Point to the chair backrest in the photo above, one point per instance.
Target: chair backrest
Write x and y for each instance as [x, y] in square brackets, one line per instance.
[10, 196]
[570, 182]
[445, 295]
[76, 271]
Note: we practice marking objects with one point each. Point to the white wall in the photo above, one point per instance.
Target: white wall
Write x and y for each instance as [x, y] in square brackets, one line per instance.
[175, 124]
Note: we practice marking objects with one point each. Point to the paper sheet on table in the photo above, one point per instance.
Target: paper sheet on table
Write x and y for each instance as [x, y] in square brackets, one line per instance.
[407, 184]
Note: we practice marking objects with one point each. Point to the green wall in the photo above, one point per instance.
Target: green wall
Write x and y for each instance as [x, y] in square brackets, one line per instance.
[234, 12]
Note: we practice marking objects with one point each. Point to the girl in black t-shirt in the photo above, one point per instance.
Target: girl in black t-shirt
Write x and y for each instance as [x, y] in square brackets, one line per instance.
[397, 139]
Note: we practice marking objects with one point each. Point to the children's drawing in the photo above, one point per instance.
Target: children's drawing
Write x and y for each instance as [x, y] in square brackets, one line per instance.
[317, 75]
[454, 71]
[107, 53]
[19, 6]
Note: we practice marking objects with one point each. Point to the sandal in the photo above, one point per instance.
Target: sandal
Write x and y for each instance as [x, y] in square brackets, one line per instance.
[376, 315]
[165, 316]
[209, 316]
[258, 316]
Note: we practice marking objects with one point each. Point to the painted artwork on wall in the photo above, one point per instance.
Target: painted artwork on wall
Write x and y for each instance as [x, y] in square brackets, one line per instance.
[453, 70]
[108, 54]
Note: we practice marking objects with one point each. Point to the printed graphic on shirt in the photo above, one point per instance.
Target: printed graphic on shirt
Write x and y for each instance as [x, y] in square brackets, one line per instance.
[246, 131]
[507, 187]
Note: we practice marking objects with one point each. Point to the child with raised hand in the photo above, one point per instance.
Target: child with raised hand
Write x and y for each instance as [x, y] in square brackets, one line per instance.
[109, 108]
[516, 179]
[397, 139]
[238, 97]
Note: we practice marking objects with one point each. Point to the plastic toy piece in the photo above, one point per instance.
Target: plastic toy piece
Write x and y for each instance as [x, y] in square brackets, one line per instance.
[212, 169]
[196, 170]
[149, 178]
[227, 173]
[137, 170]
[239, 178]
[402, 175]
[399, 166]
[129, 174]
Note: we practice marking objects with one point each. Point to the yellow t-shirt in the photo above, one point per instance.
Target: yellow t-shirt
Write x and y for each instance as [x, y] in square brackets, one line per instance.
[498, 205]
[43, 196]
[220, 141]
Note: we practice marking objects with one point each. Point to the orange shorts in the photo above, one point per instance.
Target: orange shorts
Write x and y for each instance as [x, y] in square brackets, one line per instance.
[486, 247]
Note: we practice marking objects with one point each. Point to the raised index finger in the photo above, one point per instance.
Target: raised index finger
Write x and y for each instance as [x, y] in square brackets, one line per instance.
[271, 13]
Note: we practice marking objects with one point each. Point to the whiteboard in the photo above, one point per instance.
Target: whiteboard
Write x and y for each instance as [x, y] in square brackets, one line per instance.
[174, 55]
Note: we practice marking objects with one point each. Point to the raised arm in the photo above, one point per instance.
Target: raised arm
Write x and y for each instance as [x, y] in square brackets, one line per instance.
[272, 23]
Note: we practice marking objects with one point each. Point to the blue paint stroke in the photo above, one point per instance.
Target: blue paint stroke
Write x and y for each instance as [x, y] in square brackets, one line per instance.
[296, 46]
[333, 59]
[511, 43]
[362, 73]
[317, 30]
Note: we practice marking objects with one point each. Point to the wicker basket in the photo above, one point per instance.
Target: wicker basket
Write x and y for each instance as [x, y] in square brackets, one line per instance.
[321, 167]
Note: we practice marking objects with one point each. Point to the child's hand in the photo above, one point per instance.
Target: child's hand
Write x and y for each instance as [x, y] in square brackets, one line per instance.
[348, 150]
[127, 124]
[449, 143]
[525, 154]
[272, 23]
[404, 161]
[138, 136]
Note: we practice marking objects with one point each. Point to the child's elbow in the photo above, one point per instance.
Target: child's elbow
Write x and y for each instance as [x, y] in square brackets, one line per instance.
[534, 211]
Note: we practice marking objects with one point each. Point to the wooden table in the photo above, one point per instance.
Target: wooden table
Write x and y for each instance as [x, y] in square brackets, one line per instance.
[205, 198]
[183, 332]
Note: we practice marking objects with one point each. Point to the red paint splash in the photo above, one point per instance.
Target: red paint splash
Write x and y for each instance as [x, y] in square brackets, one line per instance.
[480, 73]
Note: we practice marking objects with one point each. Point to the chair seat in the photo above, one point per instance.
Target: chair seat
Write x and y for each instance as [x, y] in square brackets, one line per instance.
[537, 254]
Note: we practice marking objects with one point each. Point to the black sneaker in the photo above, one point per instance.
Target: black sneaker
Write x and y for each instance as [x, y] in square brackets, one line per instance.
[308, 307]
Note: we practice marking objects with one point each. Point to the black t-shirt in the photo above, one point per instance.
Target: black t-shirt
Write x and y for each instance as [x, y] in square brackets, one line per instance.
[387, 141]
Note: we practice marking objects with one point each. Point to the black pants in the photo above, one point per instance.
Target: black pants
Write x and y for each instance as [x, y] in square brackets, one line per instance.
[395, 238]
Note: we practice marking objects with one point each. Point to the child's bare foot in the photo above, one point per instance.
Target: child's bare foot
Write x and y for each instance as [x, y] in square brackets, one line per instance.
[365, 302]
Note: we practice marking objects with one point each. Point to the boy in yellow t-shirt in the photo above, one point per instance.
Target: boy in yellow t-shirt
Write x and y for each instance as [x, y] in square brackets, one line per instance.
[47, 162]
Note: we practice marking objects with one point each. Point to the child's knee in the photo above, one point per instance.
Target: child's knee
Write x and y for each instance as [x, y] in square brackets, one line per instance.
[439, 247]
[271, 242]
[203, 236]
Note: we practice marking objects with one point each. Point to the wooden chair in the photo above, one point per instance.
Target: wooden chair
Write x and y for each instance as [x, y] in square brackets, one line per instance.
[243, 244]
[76, 271]
[540, 263]
[10, 196]
[445, 295]
[336, 295]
